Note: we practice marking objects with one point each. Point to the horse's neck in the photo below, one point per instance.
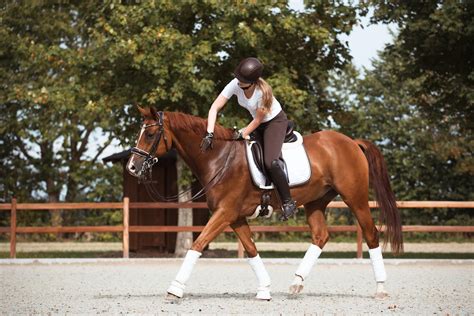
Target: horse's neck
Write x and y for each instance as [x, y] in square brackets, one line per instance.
[203, 165]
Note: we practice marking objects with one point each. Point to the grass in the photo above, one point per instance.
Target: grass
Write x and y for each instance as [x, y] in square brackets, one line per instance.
[230, 254]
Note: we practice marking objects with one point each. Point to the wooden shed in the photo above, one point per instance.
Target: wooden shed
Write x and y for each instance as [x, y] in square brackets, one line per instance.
[165, 181]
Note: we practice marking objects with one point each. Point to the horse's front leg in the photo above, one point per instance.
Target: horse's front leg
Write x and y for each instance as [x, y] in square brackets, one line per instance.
[217, 223]
[242, 229]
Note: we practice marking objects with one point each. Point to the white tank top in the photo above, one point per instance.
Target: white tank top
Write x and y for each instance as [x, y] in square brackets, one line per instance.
[253, 103]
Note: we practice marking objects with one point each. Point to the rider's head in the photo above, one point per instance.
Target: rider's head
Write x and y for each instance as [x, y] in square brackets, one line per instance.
[249, 70]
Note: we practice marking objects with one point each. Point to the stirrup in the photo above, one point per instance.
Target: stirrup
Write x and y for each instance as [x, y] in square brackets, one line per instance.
[288, 209]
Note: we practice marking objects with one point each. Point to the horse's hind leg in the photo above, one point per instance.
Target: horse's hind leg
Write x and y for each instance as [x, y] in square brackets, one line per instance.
[242, 230]
[319, 236]
[360, 207]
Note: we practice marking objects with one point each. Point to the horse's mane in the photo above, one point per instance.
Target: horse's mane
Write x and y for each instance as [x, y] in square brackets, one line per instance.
[198, 125]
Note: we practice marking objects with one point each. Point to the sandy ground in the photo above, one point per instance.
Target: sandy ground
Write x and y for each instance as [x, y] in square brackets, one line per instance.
[227, 286]
[262, 246]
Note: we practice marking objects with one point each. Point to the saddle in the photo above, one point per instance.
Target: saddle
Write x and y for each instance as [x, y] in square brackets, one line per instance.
[257, 152]
[294, 157]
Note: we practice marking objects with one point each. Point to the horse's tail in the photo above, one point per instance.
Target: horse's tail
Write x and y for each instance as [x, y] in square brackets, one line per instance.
[380, 183]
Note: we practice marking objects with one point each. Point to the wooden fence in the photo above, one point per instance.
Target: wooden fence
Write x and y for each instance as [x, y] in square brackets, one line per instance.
[125, 229]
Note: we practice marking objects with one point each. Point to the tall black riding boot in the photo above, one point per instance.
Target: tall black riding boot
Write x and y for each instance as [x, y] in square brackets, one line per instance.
[279, 180]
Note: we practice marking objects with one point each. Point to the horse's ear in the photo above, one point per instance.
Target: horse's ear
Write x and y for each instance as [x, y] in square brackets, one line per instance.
[154, 112]
[144, 112]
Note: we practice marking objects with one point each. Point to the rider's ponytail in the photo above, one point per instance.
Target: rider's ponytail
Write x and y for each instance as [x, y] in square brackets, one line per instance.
[267, 94]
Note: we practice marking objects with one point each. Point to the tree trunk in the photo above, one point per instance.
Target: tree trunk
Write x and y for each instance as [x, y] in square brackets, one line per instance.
[184, 240]
[56, 215]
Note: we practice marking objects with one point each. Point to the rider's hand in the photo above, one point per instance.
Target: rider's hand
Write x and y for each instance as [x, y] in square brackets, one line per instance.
[238, 135]
[206, 142]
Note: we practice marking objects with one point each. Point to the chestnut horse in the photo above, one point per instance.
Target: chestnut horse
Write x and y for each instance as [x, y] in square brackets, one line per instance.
[339, 166]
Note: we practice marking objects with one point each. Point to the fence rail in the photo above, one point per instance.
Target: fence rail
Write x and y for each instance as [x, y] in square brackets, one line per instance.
[125, 229]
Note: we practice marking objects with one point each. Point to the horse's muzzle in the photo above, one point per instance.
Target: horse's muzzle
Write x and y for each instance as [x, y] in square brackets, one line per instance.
[135, 166]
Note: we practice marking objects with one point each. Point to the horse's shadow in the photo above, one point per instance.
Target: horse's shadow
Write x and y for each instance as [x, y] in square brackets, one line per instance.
[275, 296]
[235, 296]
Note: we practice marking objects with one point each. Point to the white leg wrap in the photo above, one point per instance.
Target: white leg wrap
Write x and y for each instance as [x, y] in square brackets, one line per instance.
[263, 278]
[309, 259]
[177, 286]
[377, 264]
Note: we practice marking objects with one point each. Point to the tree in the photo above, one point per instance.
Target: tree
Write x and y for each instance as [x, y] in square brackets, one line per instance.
[428, 146]
[435, 43]
[52, 106]
[72, 71]
[184, 240]
[180, 55]
[52, 100]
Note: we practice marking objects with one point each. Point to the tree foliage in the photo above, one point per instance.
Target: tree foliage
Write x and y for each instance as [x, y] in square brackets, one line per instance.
[417, 105]
[71, 71]
[53, 103]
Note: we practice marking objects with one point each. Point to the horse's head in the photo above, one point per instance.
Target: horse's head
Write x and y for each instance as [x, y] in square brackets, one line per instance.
[153, 142]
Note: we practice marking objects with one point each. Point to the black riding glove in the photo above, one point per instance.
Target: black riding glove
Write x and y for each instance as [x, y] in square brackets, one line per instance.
[238, 134]
[206, 142]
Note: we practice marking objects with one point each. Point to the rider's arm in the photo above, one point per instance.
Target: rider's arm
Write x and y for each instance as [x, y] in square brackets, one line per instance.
[215, 108]
[254, 124]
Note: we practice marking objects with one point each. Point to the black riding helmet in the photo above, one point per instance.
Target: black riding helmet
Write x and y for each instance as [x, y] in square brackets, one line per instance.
[249, 70]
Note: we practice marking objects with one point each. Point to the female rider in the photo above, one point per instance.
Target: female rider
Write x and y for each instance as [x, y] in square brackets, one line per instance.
[255, 94]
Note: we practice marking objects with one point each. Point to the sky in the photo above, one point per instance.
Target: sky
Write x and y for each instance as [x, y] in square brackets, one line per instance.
[364, 42]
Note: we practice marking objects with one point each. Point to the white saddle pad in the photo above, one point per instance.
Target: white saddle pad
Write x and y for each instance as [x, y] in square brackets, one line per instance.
[297, 163]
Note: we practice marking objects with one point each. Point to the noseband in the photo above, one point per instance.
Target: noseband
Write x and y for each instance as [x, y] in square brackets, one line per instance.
[150, 158]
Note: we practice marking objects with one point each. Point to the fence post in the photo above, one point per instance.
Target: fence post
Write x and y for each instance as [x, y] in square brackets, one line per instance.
[240, 250]
[359, 242]
[13, 230]
[126, 212]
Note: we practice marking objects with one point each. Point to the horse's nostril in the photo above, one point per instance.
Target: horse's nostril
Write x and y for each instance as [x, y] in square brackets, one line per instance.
[132, 168]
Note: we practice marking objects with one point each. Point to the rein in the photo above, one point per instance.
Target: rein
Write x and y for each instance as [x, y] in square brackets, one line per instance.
[146, 173]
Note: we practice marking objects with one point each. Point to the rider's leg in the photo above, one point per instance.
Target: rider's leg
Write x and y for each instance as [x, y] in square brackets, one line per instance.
[242, 230]
[217, 223]
[273, 137]
[280, 181]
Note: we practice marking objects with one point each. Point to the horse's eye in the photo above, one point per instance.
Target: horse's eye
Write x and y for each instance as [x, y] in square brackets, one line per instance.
[150, 135]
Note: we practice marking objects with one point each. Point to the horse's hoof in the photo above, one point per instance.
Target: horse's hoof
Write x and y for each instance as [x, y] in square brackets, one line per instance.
[176, 289]
[297, 286]
[296, 289]
[171, 297]
[381, 295]
[263, 295]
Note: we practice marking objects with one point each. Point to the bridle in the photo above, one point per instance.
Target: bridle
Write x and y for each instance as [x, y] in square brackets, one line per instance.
[145, 175]
[150, 158]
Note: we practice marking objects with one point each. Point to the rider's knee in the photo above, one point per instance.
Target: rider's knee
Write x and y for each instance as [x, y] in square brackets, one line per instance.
[273, 164]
